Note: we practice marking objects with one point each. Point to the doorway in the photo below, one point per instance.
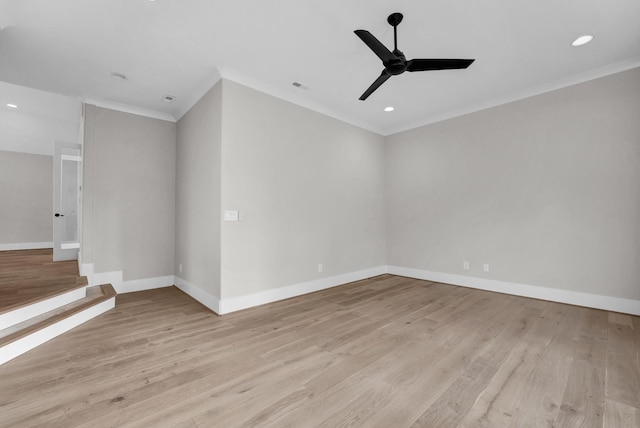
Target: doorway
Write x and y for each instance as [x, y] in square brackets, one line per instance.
[67, 193]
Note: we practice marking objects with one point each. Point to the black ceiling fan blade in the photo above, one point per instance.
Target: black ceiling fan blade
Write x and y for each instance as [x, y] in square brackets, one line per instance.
[437, 64]
[375, 85]
[376, 46]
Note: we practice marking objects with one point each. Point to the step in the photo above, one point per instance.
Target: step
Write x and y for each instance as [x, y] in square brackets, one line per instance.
[31, 284]
[22, 303]
[20, 338]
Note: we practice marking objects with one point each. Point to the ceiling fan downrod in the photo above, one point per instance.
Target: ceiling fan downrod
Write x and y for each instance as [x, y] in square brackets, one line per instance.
[394, 20]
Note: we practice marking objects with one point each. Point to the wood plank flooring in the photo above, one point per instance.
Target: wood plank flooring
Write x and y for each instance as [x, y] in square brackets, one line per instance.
[95, 295]
[29, 276]
[384, 352]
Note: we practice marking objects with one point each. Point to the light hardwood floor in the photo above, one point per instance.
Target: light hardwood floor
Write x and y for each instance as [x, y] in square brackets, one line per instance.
[384, 352]
[29, 276]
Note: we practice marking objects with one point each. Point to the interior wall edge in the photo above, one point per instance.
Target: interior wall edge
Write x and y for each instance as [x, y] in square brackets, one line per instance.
[197, 293]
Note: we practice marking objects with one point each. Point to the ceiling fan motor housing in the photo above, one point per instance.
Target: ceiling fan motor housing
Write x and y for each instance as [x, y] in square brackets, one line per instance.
[396, 66]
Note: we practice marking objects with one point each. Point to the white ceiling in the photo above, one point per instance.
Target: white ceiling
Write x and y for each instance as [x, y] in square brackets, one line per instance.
[40, 119]
[182, 47]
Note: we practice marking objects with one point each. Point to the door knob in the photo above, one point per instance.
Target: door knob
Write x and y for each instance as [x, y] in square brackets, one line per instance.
[59, 215]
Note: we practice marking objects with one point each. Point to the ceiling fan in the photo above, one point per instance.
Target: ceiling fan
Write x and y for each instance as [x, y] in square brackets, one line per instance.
[396, 63]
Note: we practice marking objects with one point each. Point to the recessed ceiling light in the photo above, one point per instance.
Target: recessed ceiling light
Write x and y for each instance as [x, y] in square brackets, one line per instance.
[389, 108]
[582, 40]
[168, 98]
[118, 76]
[12, 105]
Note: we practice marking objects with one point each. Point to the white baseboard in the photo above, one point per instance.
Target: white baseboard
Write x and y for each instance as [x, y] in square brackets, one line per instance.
[20, 346]
[268, 296]
[26, 246]
[144, 284]
[608, 303]
[225, 306]
[114, 278]
[208, 300]
[19, 315]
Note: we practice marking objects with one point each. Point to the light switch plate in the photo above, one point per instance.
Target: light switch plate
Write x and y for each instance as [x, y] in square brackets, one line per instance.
[230, 215]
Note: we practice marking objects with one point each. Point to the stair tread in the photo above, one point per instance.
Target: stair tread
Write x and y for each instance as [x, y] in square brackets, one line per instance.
[20, 294]
[96, 294]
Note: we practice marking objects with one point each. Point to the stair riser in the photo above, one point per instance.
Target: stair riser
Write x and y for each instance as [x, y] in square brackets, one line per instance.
[19, 347]
[19, 315]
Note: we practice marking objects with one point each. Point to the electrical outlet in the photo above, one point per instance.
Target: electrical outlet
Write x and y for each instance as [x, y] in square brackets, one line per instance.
[465, 265]
[320, 267]
[180, 267]
[485, 267]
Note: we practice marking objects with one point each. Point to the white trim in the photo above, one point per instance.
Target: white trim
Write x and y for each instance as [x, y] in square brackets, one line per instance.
[24, 313]
[243, 302]
[607, 303]
[27, 343]
[273, 295]
[114, 278]
[576, 79]
[126, 108]
[295, 98]
[69, 245]
[26, 246]
[208, 300]
[293, 95]
[144, 284]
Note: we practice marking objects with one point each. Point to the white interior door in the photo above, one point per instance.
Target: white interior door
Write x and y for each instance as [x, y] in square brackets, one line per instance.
[67, 161]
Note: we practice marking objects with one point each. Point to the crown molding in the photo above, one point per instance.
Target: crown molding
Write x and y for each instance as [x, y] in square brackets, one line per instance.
[127, 108]
[289, 96]
[575, 79]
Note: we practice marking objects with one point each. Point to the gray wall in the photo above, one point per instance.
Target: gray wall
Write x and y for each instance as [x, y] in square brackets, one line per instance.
[26, 191]
[311, 189]
[545, 190]
[129, 194]
[198, 193]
